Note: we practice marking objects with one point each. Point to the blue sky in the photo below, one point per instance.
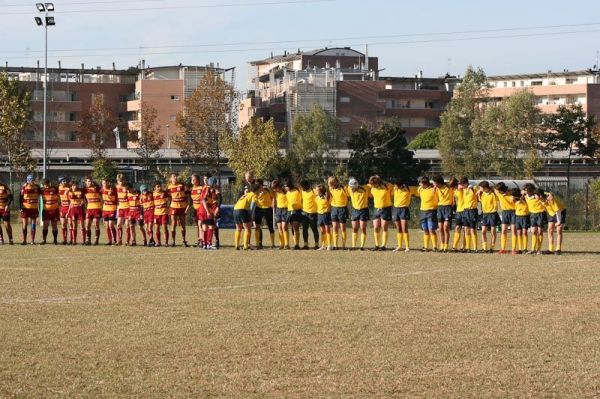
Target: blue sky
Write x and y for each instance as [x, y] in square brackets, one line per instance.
[311, 25]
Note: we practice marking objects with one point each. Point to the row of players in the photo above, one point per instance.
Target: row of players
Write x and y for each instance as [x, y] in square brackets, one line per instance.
[324, 210]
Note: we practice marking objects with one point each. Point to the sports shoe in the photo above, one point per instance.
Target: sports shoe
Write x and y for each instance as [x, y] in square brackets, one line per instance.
[399, 249]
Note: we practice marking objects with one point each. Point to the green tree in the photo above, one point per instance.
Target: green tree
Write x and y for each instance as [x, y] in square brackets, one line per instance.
[255, 148]
[104, 169]
[96, 128]
[460, 144]
[382, 152]
[427, 140]
[148, 140]
[314, 133]
[571, 130]
[14, 120]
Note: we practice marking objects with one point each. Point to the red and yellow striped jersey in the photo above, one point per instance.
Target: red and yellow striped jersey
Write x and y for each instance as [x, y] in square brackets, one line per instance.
[197, 195]
[63, 193]
[4, 195]
[122, 197]
[147, 202]
[93, 197]
[76, 198]
[212, 199]
[50, 197]
[160, 202]
[109, 199]
[135, 201]
[178, 195]
[30, 196]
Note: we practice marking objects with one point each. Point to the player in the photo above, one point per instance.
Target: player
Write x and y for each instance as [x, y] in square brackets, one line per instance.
[429, 204]
[294, 218]
[263, 211]
[521, 220]
[445, 211]
[210, 212]
[310, 216]
[242, 217]
[402, 198]
[468, 195]
[93, 213]
[281, 214]
[135, 216]
[6, 199]
[323, 200]
[507, 217]
[161, 218]
[339, 211]
[460, 229]
[381, 193]
[489, 218]
[63, 192]
[147, 200]
[197, 194]
[109, 210]
[30, 199]
[51, 211]
[537, 216]
[557, 218]
[122, 210]
[178, 207]
[359, 197]
[76, 212]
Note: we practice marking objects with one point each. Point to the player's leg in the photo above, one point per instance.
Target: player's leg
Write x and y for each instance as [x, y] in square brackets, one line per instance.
[182, 224]
[503, 237]
[377, 231]
[355, 228]
[363, 233]
[305, 227]
[551, 230]
[24, 221]
[269, 221]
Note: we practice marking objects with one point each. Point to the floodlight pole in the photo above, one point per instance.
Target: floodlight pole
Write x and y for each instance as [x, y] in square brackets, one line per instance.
[44, 162]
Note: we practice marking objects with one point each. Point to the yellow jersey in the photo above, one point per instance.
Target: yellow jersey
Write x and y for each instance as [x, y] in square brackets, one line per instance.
[403, 196]
[360, 197]
[489, 202]
[459, 200]
[245, 202]
[339, 197]
[469, 197]
[178, 194]
[294, 200]
[506, 201]
[264, 199]
[521, 208]
[534, 204]
[445, 195]
[309, 204]
[323, 205]
[382, 195]
[554, 206]
[429, 198]
[281, 200]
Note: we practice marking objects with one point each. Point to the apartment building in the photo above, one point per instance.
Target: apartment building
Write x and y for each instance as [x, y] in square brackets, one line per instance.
[552, 89]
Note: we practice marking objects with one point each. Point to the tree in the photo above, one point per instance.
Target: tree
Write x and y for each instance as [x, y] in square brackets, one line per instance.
[382, 152]
[96, 128]
[14, 119]
[209, 117]
[460, 144]
[313, 134]
[104, 169]
[427, 140]
[255, 148]
[571, 130]
[148, 139]
[511, 129]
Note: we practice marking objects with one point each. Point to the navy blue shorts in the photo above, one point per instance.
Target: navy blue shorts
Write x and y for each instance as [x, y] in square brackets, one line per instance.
[559, 218]
[324, 219]
[469, 217]
[429, 220]
[522, 222]
[360, 215]
[295, 217]
[537, 219]
[241, 216]
[402, 213]
[281, 215]
[444, 213]
[339, 215]
[458, 219]
[384, 214]
[258, 214]
[508, 217]
[490, 219]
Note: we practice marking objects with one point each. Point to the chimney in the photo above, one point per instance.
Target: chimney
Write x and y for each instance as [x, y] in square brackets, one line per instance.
[143, 64]
[367, 57]
[420, 74]
[114, 68]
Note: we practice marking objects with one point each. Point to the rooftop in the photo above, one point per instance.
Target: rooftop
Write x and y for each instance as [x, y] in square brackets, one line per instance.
[549, 74]
[297, 55]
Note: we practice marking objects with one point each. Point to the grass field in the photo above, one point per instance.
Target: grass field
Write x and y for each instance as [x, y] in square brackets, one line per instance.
[122, 322]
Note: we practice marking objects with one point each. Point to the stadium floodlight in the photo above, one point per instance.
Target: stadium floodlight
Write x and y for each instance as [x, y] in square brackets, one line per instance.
[50, 7]
[39, 21]
[50, 21]
[41, 7]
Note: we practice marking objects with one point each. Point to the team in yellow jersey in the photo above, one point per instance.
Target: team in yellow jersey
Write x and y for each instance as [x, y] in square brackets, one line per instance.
[297, 211]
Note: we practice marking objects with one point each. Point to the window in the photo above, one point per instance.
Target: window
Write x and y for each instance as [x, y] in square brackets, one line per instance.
[74, 96]
[344, 99]
[72, 136]
[522, 83]
[505, 84]
[345, 119]
[173, 118]
[175, 98]
[571, 81]
[536, 82]
[72, 116]
[513, 83]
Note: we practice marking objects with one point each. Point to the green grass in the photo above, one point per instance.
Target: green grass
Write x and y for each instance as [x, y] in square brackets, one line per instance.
[122, 322]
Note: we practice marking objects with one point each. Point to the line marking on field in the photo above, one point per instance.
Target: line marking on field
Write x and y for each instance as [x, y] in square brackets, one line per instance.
[21, 269]
[96, 256]
[420, 272]
[236, 287]
[43, 301]
[568, 261]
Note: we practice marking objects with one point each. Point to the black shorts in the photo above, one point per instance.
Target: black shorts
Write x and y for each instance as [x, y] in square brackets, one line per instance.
[339, 215]
[258, 214]
[508, 217]
[241, 216]
[490, 219]
[207, 222]
[469, 218]
[310, 217]
[384, 214]
[281, 215]
[559, 218]
[324, 219]
[522, 222]
[402, 213]
[459, 219]
[295, 216]
[444, 213]
[360, 215]
[537, 219]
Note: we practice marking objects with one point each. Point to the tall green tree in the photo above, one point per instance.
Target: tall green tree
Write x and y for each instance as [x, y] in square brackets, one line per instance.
[427, 140]
[382, 152]
[147, 140]
[15, 114]
[571, 130]
[313, 136]
[460, 144]
[96, 128]
[255, 148]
